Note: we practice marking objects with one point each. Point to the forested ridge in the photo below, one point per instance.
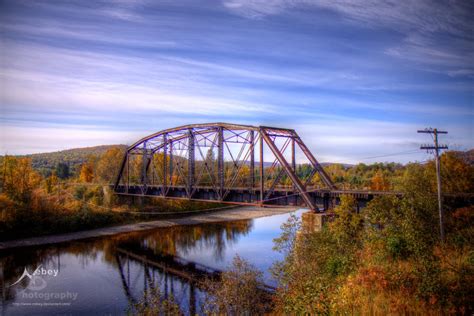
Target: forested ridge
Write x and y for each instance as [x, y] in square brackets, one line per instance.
[375, 176]
[46, 163]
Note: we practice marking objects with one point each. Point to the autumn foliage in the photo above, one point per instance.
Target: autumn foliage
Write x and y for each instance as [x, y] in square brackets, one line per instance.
[387, 258]
[34, 203]
[384, 259]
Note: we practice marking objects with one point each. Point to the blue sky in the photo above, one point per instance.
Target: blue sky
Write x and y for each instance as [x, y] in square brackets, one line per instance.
[356, 79]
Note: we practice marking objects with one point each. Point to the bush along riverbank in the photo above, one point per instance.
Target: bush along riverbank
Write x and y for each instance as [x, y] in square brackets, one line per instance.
[32, 204]
[385, 259]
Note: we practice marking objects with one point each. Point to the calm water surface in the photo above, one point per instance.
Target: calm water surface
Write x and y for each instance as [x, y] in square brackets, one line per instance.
[106, 275]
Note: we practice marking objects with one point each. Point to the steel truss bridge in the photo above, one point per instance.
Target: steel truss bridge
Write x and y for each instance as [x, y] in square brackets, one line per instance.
[229, 163]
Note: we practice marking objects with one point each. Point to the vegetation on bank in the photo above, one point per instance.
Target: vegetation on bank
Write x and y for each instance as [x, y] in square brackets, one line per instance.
[239, 291]
[386, 259]
[35, 204]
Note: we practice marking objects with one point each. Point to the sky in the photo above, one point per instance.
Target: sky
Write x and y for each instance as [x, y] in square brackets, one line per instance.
[356, 79]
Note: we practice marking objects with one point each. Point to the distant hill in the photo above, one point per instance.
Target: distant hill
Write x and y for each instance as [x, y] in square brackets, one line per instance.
[77, 156]
[73, 157]
[345, 165]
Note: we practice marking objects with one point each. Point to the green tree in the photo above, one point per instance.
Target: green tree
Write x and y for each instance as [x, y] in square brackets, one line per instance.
[348, 223]
[62, 170]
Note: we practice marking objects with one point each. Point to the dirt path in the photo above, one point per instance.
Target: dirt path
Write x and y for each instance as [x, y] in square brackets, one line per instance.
[246, 212]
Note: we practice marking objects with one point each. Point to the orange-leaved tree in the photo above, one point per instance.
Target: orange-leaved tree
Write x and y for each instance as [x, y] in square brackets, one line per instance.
[87, 172]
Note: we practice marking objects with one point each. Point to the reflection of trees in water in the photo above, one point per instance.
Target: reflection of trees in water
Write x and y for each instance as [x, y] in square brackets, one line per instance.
[182, 239]
[168, 241]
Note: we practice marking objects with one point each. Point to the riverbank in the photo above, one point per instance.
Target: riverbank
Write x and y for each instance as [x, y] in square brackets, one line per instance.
[239, 213]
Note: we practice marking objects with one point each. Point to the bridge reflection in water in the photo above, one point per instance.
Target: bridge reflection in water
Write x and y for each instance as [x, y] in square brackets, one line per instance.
[165, 276]
[217, 162]
[151, 265]
[142, 263]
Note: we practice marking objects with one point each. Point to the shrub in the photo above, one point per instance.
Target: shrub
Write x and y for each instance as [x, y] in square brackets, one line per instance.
[239, 292]
[156, 305]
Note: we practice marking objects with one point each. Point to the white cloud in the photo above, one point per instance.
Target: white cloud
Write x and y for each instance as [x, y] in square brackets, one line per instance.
[76, 31]
[424, 15]
[351, 140]
[257, 8]
[42, 77]
[27, 139]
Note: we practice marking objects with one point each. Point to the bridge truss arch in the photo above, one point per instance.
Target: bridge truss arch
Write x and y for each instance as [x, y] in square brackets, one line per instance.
[227, 163]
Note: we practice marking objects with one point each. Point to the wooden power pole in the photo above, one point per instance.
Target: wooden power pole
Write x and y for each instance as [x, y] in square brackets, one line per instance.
[437, 147]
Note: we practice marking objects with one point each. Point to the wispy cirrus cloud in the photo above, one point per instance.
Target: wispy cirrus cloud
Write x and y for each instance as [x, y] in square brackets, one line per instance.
[337, 139]
[348, 75]
[425, 24]
[423, 15]
[27, 139]
[34, 77]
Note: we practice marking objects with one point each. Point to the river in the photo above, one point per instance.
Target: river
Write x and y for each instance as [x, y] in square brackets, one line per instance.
[106, 275]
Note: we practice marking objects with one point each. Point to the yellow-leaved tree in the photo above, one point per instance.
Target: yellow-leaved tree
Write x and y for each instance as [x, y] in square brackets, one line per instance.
[19, 179]
[108, 164]
[379, 182]
[87, 173]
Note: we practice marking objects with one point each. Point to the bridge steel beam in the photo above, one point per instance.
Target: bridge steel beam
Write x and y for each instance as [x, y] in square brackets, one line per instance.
[220, 162]
[120, 174]
[171, 163]
[262, 180]
[128, 172]
[316, 165]
[144, 170]
[165, 161]
[309, 202]
[252, 160]
[191, 162]
[293, 157]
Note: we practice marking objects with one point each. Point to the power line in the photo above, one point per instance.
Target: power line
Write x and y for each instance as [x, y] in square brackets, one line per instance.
[408, 152]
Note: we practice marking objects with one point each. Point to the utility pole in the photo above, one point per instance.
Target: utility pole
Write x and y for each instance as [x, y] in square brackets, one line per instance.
[437, 147]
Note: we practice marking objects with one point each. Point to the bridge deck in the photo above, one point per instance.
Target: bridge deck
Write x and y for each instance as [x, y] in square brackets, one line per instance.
[323, 198]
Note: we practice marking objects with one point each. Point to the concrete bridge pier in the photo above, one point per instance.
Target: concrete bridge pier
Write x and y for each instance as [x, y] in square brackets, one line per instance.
[313, 222]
